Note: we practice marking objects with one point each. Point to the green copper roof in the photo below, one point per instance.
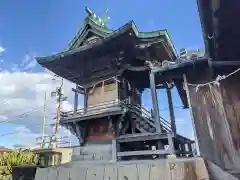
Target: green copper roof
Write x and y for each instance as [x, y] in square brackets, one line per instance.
[96, 19]
[92, 22]
[108, 36]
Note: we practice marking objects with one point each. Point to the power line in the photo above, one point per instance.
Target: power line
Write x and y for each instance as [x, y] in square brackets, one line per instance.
[16, 131]
[6, 101]
[6, 134]
[21, 115]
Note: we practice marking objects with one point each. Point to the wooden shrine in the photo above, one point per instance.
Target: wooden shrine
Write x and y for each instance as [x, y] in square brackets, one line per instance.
[111, 68]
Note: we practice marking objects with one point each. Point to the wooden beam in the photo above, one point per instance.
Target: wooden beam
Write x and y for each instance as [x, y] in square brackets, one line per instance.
[85, 100]
[155, 102]
[224, 63]
[171, 144]
[146, 152]
[75, 102]
[171, 110]
[79, 90]
[78, 132]
[93, 115]
[141, 137]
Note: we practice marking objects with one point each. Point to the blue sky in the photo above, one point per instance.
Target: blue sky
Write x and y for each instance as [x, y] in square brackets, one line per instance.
[37, 28]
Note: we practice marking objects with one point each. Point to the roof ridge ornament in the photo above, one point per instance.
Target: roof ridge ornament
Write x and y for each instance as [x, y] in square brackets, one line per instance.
[96, 19]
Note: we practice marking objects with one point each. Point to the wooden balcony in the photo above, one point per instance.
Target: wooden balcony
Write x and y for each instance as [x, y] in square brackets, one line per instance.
[92, 112]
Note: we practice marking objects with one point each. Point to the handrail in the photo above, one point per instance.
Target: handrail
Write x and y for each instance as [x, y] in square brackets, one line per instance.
[94, 108]
[146, 112]
[111, 104]
[165, 124]
[146, 118]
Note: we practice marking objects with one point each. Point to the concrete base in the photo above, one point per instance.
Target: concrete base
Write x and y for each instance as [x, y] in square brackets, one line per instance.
[172, 156]
[161, 169]
[217, 173]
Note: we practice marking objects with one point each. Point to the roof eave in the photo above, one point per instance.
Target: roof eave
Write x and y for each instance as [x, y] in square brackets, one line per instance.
[123, 29]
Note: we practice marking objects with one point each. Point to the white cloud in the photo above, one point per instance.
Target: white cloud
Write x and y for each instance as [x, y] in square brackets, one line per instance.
[28, 63]
[15, 68]
[22, 99]
[3, 118]
[22, 129]
[2, 49]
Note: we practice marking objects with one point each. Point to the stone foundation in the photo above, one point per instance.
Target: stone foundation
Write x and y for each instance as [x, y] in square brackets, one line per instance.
[164, 169]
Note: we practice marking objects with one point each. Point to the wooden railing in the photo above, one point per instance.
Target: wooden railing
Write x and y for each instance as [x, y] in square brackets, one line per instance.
[92, 109]
[110, 105]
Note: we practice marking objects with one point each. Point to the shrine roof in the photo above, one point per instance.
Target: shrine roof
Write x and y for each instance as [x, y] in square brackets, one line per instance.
[107, 37]
[97, 52]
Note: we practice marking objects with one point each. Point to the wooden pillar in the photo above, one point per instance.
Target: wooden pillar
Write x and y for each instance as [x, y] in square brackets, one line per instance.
[190, 152]
[171, 143]
[183, 148]
[171, 110]
[112, 128]
[85, 100]
[155, 102]
[191, 113]
[78, 131]
[75, 101]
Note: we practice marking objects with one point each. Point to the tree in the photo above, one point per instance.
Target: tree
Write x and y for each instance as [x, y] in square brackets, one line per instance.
[16, 158]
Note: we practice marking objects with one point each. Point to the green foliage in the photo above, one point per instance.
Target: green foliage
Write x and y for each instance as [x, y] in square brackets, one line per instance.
[17, 158]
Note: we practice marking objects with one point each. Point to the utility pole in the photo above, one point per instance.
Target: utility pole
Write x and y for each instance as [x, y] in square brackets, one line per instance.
[59, 103]
[44, 121]
[58, 93]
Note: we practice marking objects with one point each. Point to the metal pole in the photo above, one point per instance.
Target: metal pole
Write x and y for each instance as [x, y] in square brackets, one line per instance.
[155, 102]
[44, 119]
[191, 113]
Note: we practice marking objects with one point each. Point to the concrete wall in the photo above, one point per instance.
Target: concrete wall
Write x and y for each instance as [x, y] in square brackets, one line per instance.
[23, 172]
[93, 152]
[191, 169]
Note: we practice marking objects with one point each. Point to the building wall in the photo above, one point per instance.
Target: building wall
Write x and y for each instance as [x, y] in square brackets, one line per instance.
[216, 111]
[66, 155]
[102, 94]
[100, 130]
